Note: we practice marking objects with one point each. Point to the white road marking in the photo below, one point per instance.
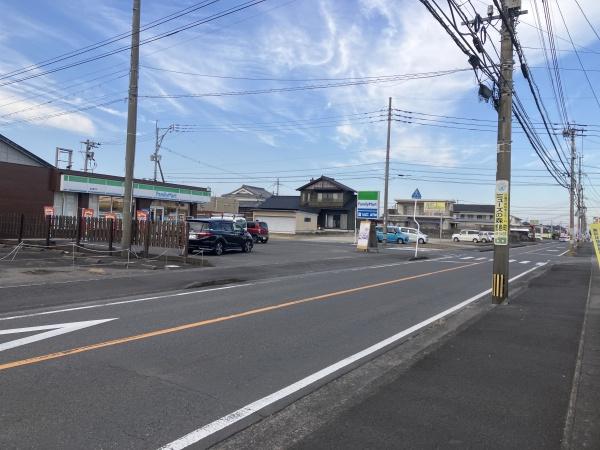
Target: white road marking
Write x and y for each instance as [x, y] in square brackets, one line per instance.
[553, 250]
[467, 257]
[480, 259]
[55, 330]
[511, 260]
[491, 259]
[524, 262]
[541, 263]
[254, 407]
[564, 253]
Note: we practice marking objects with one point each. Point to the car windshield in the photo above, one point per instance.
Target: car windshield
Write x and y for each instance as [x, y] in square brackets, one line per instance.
[199, 226]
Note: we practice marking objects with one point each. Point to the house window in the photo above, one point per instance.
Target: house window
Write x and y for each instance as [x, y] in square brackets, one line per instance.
[480, 217]
[308, 219]
[462, 216]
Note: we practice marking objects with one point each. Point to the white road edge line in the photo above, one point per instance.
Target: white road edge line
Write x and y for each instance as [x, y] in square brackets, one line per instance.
[563, 253]
[231, 418]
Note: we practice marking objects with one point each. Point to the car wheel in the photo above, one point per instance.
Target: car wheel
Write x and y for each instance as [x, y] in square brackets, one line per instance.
[421, 241]
[265, 240]
[484, 241]
[247, 247]
[218, 249]
[475, 241]
[455, 239]
[399, 241]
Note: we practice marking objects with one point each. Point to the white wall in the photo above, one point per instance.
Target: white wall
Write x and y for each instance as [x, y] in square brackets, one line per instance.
[65, 203]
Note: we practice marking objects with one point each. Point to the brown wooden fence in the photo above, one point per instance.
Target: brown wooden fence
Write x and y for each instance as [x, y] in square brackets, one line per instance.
[91, 229]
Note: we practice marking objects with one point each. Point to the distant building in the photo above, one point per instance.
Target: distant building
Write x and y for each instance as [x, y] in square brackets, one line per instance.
[431, 214]
[28, 184]
[335, 202]
[284, 214]
[476, 217]
[248, 197]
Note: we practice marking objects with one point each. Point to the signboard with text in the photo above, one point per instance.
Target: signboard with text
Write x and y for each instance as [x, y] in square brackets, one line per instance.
[141, 215]
[367, 205]
[87, 212]
[501, 214]
[48, 211]
[434, 207]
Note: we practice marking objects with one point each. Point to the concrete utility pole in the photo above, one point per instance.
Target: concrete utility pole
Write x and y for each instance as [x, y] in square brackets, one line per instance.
[510, 10]
[579, 202]
[570, 132]
[158, 142]
[131, 127]
[387, 174]
[89, 154]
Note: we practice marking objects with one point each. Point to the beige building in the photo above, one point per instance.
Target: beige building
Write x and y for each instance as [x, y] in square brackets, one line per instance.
[283, 214]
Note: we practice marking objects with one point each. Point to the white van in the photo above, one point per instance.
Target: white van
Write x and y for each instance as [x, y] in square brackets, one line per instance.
[414, 235]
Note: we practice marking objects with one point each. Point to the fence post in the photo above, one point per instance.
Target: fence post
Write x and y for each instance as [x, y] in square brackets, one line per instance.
[111, 235]
[148, 224]
[186, 241]
[21, 224]
[78, 237]
[48, 229]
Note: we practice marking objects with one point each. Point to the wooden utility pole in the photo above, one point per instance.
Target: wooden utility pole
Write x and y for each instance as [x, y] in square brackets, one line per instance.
[387, 174]
[500, 273]
[131, 127]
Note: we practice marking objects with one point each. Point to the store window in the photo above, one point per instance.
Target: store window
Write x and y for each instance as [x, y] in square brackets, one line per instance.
[108, 204]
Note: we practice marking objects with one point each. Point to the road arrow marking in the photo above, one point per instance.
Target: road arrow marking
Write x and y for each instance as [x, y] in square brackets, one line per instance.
[54, 330]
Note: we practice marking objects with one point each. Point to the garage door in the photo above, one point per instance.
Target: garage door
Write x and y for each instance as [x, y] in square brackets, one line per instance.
[279, 224]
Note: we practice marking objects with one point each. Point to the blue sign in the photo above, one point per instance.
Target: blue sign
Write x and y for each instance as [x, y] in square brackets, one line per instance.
[367, 214]
[416, 195]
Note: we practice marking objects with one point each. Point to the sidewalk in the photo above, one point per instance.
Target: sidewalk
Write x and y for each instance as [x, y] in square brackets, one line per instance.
[504, 382]
[518, 376]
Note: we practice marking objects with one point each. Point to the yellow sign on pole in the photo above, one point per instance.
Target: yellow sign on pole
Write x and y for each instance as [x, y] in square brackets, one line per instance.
[501, 216]
[595, 230]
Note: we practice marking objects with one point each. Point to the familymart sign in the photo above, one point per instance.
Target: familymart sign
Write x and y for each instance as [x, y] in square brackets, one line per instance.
[102, 186]
[367, 205]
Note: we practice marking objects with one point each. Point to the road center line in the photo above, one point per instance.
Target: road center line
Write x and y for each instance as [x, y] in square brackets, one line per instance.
[188, 326]
[252, 408]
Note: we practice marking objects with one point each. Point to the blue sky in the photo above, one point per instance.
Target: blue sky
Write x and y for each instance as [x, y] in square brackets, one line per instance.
[293, 135]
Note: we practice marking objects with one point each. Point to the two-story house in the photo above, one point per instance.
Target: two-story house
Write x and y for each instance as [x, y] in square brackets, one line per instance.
[248, 198]
[335, 202]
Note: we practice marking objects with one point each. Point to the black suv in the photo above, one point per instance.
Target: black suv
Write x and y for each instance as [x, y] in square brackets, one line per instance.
[218, 235]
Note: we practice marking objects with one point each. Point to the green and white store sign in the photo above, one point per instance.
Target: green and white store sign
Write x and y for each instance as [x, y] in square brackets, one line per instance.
[102, 186]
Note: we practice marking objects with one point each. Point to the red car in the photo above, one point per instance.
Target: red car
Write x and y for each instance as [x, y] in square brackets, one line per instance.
[259, 231]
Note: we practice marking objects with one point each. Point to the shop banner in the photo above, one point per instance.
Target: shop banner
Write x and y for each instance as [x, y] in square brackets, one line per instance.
[363, 235]
[48, 211]
[87, 212]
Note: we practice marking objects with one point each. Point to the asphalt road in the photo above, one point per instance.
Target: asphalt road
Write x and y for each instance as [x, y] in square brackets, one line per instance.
[143, 372]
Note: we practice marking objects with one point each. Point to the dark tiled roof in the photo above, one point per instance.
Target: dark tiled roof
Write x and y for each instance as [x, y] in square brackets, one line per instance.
[339, 185]
[25, 152]
[285, 203]
[487, 209]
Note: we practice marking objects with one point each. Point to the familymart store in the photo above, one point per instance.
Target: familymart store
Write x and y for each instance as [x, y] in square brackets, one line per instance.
[102, 196]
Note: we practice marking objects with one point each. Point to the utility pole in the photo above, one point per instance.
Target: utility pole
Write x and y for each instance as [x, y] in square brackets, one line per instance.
[570, 132]
[387, 174]
[131, 127]
[510, 10]
[579, 202]
[157, 143]
[277, 187]
[89, 154]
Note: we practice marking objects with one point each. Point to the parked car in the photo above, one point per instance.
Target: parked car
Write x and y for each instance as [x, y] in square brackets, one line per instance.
[487, 236]
[468, 236]
[414, 235]
[393, 235]
[218, 236]
[563, 237]
[259, 231]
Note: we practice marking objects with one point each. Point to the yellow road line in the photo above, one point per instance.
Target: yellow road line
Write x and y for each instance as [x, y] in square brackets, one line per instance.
[188, 326]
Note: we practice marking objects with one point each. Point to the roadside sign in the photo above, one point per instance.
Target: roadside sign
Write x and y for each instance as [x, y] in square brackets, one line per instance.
[534, 222]
[595, 230]
[367, 205]
[363, 235]
[416, 195]
[501, 216]
[87, 212]
[110, 215]
[141, 215]
[48, 211]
